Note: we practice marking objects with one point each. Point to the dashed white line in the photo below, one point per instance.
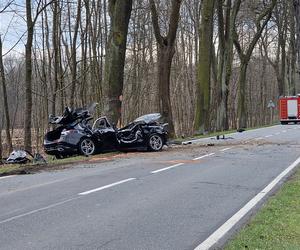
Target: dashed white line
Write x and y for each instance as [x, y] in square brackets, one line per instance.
[107, 186]
[225, 149]
[203, 156]
[267, 136]
[283, 131]
[167, 168]
[229, 224]
[278, 133]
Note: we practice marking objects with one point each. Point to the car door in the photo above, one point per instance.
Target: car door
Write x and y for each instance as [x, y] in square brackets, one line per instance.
[105, 134]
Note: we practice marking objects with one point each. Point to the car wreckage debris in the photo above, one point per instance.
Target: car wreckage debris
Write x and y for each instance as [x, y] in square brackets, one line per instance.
[74, 135]
[22, 157]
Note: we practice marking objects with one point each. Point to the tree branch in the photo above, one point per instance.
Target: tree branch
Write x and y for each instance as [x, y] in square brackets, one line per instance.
[6, 6]
[174, 19]
[158, 36]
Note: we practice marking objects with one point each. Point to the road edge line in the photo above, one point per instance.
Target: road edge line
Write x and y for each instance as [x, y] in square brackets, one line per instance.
[232, 221]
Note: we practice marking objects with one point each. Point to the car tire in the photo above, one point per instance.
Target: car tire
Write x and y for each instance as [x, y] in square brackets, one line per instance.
[155, 142]
[87, 146]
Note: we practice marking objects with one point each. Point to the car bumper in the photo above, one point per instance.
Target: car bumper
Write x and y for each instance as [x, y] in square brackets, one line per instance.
[59, 148]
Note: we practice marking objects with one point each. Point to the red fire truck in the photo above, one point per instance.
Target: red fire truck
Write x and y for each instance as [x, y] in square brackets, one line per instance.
[289, 109]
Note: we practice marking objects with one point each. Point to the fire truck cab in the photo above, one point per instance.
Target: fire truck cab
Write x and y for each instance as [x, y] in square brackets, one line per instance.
[289, 109]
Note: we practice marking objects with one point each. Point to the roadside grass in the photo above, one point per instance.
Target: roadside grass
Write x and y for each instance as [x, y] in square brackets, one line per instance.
[6, 169]
[52, 163]
[276, 225]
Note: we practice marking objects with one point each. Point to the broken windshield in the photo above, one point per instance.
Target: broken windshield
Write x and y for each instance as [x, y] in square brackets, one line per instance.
[148, 118]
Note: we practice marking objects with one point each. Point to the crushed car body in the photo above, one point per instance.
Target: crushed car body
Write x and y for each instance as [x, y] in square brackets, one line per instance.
[74, 134]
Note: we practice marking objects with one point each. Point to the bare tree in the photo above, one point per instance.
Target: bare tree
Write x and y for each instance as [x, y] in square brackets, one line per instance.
[204, 67]
[30, 22]
[119, 11]
[278, 62]
[245, 56]
[28, 77]
[166, 50]
[297, 15]
[74, 54]
[5, 102]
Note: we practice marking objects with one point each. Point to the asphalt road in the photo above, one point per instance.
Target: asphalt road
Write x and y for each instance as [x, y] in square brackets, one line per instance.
[175, 199]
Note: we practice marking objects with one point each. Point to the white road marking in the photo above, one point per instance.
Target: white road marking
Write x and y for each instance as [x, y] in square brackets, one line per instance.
[203, 156]
[63, 202]
[37, 210]
[225, 149]
[267, 136]
[221, 231]
[167, 168]
[106, 186]
[5, 177]
[283, 131]
[278, 133]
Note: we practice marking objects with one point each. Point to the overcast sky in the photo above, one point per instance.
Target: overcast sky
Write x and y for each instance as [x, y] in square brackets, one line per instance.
[12, 26]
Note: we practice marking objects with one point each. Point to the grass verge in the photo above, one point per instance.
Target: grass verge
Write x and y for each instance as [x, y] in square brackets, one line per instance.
[277, 224]
[53, 164]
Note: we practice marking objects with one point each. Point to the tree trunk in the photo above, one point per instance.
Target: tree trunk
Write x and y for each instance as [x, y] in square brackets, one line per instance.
[55, 41]
[5, 103]
[280, 83]
[28, 79]
[165, 55]
[242, 111]
[282, 43]
[120, 11]
[292, 52]
[225, 61]
[166, 45]
[73, 65]
[297, 14]
[204, 67]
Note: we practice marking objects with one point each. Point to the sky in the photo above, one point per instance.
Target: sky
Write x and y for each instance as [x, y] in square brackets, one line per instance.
[13, 27]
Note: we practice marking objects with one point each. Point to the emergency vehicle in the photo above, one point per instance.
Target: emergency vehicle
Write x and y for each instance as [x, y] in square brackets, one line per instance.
[289, 109]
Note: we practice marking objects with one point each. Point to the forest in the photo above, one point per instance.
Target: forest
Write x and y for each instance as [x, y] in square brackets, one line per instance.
[205, 65]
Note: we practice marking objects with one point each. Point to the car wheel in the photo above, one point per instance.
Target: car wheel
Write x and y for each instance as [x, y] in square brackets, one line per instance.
[155, 142]
[87, 146]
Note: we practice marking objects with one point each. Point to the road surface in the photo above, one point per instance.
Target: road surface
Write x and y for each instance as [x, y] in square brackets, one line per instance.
[187, 197]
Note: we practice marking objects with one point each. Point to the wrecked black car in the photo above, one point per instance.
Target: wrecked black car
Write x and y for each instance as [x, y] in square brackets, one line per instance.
[74, 134]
